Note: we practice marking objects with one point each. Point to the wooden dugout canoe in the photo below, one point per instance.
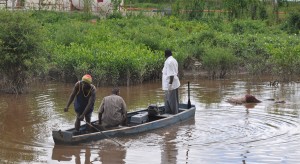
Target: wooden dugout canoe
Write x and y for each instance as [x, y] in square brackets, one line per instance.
[152, 122]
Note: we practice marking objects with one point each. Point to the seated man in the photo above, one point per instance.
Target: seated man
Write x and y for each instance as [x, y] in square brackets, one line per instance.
[112, 111]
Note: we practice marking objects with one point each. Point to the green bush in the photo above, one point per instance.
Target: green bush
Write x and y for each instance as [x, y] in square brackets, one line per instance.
[285, 56]
[292, 24]
[249, 26]
[130, 50]
[219, 62]
[21, 54]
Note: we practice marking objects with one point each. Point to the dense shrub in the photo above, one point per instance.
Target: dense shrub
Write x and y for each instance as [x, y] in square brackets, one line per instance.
[21, 54]
[219, 62]
[292, 24]
[249, 26]
[129, 50]
[285, 58]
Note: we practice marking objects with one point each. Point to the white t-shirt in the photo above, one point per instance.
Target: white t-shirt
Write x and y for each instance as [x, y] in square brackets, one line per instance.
[170, 69]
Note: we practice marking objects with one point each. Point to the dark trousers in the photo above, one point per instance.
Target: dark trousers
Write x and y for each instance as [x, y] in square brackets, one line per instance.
[171, 101]
[87, 118]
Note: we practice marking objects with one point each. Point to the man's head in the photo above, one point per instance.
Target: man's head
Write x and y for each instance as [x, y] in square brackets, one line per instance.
[115, 91]
[168, 53]
[87, 78]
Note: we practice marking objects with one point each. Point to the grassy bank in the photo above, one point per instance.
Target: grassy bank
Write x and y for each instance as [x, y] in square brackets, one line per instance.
[129, 50]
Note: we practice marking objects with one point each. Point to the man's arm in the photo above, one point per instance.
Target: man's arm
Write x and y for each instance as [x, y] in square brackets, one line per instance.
[170, 82]
[101, 110]
[72, 96]
[124, 112]
[171, 79]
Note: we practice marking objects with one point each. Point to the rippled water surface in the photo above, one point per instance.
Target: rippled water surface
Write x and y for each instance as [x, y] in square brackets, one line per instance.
[220, 132]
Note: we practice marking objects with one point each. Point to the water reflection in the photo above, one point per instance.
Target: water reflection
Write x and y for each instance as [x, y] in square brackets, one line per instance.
[67, 153]
[220, 133]
[169, 149]
[112, 154]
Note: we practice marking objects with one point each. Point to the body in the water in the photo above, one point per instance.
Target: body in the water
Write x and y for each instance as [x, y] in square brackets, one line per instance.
[248, 99]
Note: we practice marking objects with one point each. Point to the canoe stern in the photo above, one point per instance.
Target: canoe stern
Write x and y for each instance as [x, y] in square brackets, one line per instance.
[62, 136]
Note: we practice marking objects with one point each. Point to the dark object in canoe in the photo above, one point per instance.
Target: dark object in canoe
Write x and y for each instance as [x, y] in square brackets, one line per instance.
[70, 136]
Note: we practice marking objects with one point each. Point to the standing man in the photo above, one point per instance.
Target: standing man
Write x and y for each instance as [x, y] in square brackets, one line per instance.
[113, 110]
[170, 83]
[84, 93]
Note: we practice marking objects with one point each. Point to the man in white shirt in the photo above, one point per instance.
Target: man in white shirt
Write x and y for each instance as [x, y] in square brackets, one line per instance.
[170, 83]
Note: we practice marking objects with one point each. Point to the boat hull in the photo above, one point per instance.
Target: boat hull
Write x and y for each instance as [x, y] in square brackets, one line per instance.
[67, 137]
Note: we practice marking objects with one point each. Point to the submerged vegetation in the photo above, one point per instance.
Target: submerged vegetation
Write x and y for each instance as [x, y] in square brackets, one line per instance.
[125, 50]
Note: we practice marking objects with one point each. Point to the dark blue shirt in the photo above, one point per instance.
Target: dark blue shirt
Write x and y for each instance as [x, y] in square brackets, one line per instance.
[82, 99]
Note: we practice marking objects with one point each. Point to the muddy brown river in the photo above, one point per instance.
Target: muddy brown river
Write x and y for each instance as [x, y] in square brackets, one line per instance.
[220, 133]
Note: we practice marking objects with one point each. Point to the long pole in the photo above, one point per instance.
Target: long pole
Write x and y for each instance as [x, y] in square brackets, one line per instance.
[104, 134]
